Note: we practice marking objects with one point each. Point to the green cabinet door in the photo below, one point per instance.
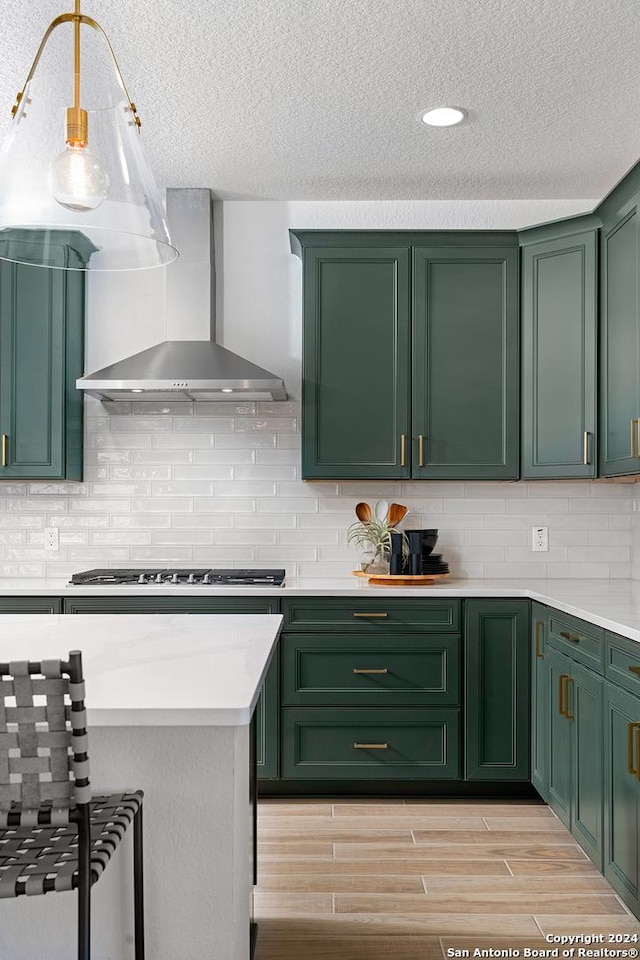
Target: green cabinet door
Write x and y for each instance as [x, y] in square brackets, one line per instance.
[559, 281]
[585, 710]
[622, 794]
[497, 666]
[539, 700]
[620, 344]
[41, 355]
[30, 605]
[575, 751]
[355, 390]
[559, 737]
[465, 362]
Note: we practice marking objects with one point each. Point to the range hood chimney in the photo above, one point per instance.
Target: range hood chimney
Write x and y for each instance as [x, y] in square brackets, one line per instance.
[186, 369]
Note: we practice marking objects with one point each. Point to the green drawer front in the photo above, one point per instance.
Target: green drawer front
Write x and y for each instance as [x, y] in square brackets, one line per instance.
[622, 662]
[580, 640]
[30, 605]
[386, 744]
[353, 671]
[361, 614]
[171, 605]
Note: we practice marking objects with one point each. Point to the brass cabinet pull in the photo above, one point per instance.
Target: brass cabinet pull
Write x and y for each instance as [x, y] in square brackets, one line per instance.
[371, 614]
[632, 437]
[561, 679]
[539, 624]
[384, 670]
[403, 450]
[4, 449]
[635, 670]
[569, 636]
[421, 451]
[630, 767]
[585, 448]
[568, 715]
[371, 746]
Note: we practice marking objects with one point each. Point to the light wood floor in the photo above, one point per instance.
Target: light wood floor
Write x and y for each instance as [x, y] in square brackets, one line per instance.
[408, 880]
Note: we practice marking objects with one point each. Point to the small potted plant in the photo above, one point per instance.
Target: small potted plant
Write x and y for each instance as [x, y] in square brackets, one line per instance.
[374, 539]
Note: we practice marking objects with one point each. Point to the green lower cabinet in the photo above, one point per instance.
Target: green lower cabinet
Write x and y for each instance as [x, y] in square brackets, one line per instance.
[622, 794]
[30, 605]
[267, 712]
[575, 744]
[345, 670]
[539, 700]
[370, 744]
[558, 738]
[497, 690]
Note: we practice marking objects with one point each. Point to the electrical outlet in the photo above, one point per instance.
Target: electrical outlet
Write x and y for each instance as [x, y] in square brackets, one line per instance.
[51, 538]
[540, 539]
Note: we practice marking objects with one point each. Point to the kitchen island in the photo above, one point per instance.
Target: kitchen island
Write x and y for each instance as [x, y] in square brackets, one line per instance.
[170, 701]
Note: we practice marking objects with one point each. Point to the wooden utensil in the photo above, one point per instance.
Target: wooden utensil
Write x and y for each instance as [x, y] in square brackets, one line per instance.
[363, 512]
[396, 513]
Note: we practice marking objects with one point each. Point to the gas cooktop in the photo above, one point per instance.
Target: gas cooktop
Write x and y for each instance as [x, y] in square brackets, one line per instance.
[170, 577]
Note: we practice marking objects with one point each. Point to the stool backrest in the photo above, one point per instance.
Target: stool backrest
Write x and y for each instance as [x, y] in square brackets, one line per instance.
[44, 764]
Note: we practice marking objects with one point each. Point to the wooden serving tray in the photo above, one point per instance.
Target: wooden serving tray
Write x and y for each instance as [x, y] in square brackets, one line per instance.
[400, 579]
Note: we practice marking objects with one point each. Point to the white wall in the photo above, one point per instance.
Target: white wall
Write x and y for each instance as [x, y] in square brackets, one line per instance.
[219, 483]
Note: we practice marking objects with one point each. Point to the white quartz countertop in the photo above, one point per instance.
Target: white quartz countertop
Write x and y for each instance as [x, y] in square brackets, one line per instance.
[612, 604]
[145, 670]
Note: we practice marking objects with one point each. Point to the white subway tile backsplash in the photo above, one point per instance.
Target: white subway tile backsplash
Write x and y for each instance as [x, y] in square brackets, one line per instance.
[204, 472]
[244, 441]
[218, 483]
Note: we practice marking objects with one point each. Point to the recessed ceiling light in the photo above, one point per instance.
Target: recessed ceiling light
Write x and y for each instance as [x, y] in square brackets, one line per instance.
[444, 116]
[226, 390]
[136, 390]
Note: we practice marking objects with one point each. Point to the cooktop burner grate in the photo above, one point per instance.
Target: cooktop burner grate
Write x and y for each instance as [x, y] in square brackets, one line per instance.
[204, 576]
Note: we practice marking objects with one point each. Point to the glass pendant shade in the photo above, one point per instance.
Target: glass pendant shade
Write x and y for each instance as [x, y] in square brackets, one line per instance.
[78, 174]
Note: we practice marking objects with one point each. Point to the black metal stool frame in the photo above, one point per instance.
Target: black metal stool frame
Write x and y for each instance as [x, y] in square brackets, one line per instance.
[34, 804]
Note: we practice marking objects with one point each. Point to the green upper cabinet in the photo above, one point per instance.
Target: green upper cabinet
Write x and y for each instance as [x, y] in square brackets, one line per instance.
[465, 361]
[366, 402]
[41, 355]
[620, 339]
[559, 333]
[355, 402]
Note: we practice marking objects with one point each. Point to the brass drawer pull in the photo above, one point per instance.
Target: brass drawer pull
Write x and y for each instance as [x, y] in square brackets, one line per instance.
[585, 448]
[561, 679]
[539, 624]
[4, 449]
[569, 636]
[635, 670]
[630, 767]
[384, 670]
[371, 615]
[421, 451]
[371, 746]
[403, 450]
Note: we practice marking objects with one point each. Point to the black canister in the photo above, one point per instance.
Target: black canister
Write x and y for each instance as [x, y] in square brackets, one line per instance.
[396, 561]
[415, 552]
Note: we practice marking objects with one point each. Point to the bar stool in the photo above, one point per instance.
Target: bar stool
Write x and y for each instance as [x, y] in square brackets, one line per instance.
[54, 835]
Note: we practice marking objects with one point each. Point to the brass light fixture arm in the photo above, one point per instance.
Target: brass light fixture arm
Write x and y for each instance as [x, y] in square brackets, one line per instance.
[77, 19]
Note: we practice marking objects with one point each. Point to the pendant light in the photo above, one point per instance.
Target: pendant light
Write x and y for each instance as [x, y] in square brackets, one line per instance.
[73, 174]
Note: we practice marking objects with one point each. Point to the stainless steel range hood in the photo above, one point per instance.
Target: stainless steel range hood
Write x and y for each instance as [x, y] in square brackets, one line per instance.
[187, 369]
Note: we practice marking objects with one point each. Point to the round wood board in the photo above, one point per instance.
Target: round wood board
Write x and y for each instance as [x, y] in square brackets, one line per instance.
[400, 579]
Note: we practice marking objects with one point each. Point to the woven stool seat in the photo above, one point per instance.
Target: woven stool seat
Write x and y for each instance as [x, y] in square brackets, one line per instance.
[42, 858]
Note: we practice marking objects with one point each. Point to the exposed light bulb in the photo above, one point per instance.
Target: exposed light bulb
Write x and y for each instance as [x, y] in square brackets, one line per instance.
[77, 179]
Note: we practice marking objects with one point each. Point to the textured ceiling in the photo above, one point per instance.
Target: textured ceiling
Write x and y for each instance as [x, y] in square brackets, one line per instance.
[317, 99]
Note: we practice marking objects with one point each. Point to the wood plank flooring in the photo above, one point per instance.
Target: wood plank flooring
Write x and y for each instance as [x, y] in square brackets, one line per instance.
[412, 880]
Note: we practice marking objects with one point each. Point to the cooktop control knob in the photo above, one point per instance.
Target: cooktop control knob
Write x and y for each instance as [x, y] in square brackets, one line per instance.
[174, 578]
[142, 578]
[191, 578]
